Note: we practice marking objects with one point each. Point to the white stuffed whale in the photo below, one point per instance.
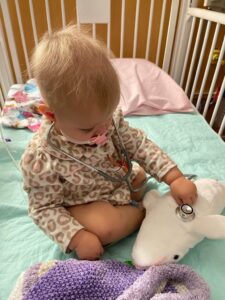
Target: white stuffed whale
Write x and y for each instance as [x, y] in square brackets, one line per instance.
[164, 237]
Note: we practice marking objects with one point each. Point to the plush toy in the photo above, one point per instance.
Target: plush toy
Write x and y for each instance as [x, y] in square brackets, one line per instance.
[165, 236]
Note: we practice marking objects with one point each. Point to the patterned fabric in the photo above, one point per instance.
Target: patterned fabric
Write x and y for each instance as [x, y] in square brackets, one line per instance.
[21, 106]
[54, 181]
[86, 280]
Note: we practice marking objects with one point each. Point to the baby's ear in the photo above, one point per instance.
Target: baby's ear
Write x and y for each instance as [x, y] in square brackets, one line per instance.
[212, 226]
[46, 111]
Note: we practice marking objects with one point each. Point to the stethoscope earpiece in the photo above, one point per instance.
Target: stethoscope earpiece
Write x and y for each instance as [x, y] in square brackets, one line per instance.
[185, 212]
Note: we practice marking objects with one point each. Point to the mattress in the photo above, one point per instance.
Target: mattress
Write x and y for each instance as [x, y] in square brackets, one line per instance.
[188, 140]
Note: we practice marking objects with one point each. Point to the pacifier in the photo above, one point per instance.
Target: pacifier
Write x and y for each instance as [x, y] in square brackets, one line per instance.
[185, 212]
[99, 139]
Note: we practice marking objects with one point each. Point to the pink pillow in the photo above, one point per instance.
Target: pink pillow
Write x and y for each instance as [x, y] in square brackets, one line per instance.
[148, 90]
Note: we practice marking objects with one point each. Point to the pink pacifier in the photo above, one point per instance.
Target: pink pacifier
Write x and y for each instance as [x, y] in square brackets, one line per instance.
[99, 139]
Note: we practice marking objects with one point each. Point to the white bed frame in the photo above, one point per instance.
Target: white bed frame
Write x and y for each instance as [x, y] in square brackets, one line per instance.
[178, 59]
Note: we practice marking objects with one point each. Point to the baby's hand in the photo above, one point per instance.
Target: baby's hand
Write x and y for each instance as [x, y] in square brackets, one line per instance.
[183, 191]
[87, 245]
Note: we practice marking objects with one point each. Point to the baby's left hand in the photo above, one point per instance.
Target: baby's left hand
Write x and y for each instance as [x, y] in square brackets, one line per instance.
[183, 191]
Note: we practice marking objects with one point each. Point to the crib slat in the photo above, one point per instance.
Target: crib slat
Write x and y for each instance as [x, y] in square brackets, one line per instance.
[94, 31]
[5, 67]
[63, 13]
[208, 65]
[218, 101]
[33, 22]
[2, 97]
[109, 34]
[218, 65]
[109, 29]
[22, 37]
[136, 28]
[151, 9]
[48, 16]
[188, 51]
[122, 28]
[12, 45]
[194, 56]
[161, 31]
[222, 126]
[170, 34]
[3, 86]
[77, 16]
[200, 59]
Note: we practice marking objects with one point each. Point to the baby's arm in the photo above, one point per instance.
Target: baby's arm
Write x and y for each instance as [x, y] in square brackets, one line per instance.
[182, 189]
[45, 193]
[157, 163]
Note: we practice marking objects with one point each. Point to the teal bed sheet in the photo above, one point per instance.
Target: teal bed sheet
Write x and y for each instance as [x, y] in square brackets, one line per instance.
[185, 137]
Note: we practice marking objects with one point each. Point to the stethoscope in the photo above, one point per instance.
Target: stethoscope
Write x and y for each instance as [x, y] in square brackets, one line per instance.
[117, 178]
[185, 212]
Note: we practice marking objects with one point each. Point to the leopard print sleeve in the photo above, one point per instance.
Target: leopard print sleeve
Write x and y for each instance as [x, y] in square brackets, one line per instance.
[45, 195]
[143, 150]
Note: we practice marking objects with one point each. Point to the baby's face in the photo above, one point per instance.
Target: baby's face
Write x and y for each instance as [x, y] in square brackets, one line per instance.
[84, 124]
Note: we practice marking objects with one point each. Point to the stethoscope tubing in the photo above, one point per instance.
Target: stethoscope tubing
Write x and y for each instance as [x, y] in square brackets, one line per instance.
[125, 178]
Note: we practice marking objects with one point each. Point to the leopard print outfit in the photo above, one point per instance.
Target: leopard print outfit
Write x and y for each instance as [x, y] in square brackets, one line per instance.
[54, 181]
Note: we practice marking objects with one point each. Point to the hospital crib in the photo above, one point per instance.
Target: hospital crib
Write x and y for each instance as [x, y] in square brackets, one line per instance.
[182, 37]
[186, 40]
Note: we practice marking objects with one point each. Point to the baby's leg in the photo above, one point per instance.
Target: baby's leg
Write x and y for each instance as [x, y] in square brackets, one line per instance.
[109, 223]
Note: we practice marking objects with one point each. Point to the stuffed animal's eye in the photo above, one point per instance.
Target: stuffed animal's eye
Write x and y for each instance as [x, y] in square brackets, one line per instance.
[176, 257]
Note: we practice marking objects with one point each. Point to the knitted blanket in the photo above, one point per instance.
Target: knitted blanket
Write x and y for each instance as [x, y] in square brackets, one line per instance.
[86, 280]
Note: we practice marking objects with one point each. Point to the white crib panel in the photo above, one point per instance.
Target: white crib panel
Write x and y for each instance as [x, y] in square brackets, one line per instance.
[218, 65]
[94, 11]
[200, 59]
[208, 65]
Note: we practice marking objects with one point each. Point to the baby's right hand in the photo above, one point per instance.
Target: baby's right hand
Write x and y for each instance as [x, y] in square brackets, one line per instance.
[87, 245]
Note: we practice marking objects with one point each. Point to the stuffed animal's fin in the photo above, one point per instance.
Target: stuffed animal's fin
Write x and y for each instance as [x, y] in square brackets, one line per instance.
[151, 198]
[211, 226]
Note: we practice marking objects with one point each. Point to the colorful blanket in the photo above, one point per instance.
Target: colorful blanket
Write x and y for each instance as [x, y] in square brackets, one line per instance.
[109, 279]
[21, 106]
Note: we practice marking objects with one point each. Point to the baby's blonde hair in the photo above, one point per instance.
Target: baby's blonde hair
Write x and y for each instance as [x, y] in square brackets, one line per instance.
[72, 69]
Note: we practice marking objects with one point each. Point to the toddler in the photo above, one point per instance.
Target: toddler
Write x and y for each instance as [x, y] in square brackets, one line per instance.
[73, 165]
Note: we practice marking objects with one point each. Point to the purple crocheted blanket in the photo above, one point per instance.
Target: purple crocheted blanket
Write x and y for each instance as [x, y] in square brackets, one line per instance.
[86, 280]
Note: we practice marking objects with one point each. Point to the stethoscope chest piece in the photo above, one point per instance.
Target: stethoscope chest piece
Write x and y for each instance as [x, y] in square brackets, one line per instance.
[185, 212]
